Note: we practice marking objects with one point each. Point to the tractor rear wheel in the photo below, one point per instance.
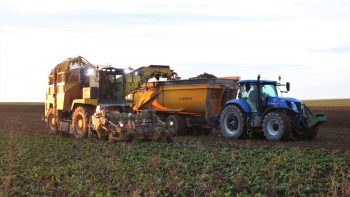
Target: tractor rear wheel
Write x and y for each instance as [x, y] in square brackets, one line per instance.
[232, 122]
[51, 121]
[80, 122]
[176, 125]
[277, 126]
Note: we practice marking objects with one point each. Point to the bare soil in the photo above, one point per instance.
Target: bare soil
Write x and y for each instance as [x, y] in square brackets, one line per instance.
[335, 134]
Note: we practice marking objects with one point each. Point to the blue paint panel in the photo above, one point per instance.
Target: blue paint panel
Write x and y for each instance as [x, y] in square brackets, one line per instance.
[244, 105]
[284, 102]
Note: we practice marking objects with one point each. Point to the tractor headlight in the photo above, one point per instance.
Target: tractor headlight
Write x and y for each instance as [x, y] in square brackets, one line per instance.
[294, 107]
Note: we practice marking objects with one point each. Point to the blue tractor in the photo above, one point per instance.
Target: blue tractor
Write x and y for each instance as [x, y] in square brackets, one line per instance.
[258, 108]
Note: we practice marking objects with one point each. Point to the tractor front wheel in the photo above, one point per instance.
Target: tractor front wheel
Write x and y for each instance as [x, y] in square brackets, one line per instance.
[232, 122]
[80, 122]
[277, 126]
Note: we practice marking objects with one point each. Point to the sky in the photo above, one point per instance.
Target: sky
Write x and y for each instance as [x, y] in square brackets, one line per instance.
[306, 42]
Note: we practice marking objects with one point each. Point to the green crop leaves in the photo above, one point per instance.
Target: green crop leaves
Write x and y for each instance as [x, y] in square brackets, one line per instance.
[49, 165]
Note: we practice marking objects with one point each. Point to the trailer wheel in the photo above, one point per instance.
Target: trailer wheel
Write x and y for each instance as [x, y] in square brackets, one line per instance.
[51, 121]
[176, 125]
[232, 122]
[305, 134]
[80, 122]
[277, 126]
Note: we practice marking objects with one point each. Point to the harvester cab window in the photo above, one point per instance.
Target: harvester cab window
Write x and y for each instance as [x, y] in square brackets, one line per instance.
[111, 87]
[73, 75]
[119, 78]
[84, 78]
[61, 77]
[51, 79]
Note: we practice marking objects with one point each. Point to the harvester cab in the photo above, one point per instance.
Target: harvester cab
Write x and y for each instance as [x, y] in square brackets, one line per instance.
[259, 107]
[111, 86]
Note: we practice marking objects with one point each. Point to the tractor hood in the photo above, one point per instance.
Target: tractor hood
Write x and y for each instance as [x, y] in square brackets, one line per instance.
[284, 102]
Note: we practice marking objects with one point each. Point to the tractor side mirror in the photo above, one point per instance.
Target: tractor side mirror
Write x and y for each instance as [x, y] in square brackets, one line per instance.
[247, 87]
[288, 86]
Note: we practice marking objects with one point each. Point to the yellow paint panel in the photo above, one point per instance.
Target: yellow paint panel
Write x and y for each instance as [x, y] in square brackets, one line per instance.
[84, 102]
[200, 99]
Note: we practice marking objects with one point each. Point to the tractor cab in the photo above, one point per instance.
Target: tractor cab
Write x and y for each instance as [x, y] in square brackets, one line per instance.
[255, 93]
[263, 94]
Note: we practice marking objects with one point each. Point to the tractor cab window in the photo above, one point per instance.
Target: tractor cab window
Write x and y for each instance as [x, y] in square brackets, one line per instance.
[249, 95]
[268, 90]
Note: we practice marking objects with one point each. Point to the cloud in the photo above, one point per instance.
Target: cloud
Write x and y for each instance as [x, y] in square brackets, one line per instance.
[305, 42]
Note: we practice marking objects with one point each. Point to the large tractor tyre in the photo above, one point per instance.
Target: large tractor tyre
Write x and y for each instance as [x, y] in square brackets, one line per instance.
[305, 134]
[51, 122]
[80, 122]
[176, 125]
[232, 122]
[277, 126]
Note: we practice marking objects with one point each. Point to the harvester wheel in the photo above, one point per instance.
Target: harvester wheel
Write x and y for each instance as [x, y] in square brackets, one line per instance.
[176, 125]
[80, 122]
[277, 126]
[232, 122]
[51, 121]
[305, 134]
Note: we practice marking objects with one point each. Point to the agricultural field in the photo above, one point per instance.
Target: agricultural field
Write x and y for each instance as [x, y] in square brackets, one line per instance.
[33, 162]
[56, 165]
[328, 102]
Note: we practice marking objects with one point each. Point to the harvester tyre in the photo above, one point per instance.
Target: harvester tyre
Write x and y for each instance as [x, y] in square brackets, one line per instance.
[51, 122]
[305, 134]
[176, 125]
[277, 126]
[232, 122]
[80, 122]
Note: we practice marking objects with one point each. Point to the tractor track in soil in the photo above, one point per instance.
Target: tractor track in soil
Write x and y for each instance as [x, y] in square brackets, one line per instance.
[335, 134]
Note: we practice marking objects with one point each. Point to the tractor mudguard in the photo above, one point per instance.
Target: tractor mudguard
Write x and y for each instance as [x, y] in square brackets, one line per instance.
[315, 120]
[241, 103]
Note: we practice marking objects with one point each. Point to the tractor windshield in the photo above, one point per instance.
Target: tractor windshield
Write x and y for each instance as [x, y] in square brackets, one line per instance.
[269, 90]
